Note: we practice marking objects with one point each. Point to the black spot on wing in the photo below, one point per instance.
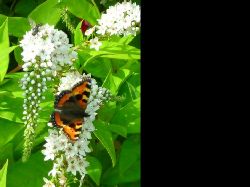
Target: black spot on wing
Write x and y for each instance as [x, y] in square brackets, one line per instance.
[88, 85]
[78, 96]
[87, 93]
[58, 97]
[53, 120]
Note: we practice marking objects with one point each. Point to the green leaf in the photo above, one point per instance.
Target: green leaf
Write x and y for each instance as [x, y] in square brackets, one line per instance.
[119, 129]
[110, 83]
[4, 60]
[99, 67]
[18, 56]
[134, 127]
[130, 89]
[17, 25]
[136, 42]
[94, 169]
[2, 18]
[11, 107]
[85, 9]
[30, 173]
[129, 116]
[78, 36]
[13, 81]
[46, 12]
[106, 112]
[130, 153]
[5, 50]
[6, 152]
[132, 174]
[127, 169]
[114, 177]
[123, 39]
[115, 50]
[8, 130]
[24, 7]
[132, 65]
[115, 78]
[105, 137]
[3, 174]
[131, 184]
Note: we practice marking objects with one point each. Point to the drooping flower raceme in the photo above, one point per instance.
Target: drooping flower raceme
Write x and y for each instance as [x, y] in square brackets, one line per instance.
[46, 51]
[69, 157]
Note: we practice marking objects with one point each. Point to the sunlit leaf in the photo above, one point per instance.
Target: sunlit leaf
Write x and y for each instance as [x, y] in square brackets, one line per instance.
[3, 174]
[85, 9]
[46, 12]
[105, 137]
[94, 169]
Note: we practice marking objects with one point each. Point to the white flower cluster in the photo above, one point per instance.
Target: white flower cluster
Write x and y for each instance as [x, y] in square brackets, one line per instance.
[121, 19]
[59, 148]
[45, 52]
[66, 155]
[46, 47]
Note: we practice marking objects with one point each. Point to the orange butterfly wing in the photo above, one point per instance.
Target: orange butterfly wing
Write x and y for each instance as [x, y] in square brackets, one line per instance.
[72, 129]
[80, 92]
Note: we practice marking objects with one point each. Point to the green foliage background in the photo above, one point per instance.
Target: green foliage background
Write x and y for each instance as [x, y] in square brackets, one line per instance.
[115, 159]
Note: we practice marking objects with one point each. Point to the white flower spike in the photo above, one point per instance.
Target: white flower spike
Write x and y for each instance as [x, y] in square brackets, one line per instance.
[69, 157]
[46, 51]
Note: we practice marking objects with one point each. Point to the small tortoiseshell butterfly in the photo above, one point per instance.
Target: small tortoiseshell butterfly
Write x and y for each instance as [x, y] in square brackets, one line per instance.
[70, 108]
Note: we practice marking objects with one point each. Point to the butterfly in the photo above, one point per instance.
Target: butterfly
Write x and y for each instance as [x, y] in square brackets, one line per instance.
[69, 109]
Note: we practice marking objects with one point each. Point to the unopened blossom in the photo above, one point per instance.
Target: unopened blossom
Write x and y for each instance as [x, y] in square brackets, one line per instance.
[85, 25]
[62, 180]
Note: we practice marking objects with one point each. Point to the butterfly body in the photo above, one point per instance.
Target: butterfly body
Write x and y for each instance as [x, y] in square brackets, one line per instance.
[71, 111]
[70, 106]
